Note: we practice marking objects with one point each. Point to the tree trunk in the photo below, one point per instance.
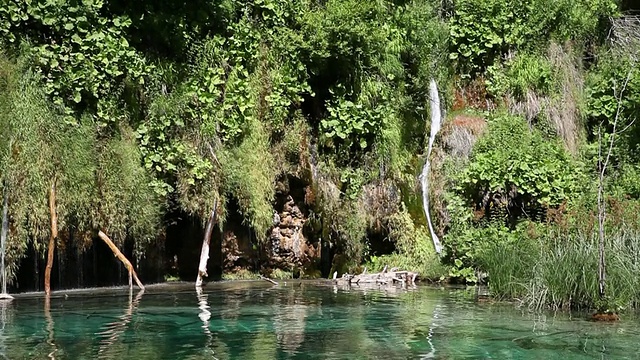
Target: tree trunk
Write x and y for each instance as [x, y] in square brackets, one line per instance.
[602, 168]
[602, 276]
[122, 258]
[204, 254]
[52, 238]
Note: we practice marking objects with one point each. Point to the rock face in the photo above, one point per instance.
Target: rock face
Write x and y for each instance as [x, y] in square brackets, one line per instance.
[290, 245]
[289, 249]
[238, 253]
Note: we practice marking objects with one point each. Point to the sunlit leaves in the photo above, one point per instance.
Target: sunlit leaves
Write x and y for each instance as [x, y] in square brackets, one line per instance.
[83, 58]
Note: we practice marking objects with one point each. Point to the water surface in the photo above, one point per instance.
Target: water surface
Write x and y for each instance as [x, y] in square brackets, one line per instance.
[297, 320]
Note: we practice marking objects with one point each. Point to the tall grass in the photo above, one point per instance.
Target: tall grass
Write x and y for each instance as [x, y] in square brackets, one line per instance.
[558, 268]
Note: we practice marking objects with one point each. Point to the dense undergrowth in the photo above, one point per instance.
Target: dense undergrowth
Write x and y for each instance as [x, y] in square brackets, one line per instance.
[136, 111]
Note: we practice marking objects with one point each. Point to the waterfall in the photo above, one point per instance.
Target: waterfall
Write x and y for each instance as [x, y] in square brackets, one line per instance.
[436, 119]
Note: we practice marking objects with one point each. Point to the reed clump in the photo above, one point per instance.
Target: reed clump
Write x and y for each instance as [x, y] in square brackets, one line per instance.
[556, 266]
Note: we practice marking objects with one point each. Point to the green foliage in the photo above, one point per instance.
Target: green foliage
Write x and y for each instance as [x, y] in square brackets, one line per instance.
[553, 266]
[526, 72]
[352, 123]
[249, 177]
[26, 151]
[83, 59]
[507, 257]
[514, 158]
[414, 249]
[333, 93]
[165, 153]
[514, 174]
[613, 92]
[93, 178]
[122, 180]
[482, 31]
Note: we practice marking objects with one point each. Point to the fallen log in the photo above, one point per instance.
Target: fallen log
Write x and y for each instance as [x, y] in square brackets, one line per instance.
[122, 258]
[385, 277]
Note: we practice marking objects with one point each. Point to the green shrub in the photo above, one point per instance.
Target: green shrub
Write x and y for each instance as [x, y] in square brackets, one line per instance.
[515, 163]
[526, 72]
[482, 31]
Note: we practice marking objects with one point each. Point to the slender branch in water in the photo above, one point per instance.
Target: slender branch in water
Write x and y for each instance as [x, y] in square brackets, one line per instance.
[204, 253]
[52, 238]
[205, 316]
[268, 280]
[120, 255]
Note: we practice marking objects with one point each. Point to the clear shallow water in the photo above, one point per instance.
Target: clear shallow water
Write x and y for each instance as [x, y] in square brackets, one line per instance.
[297, 320]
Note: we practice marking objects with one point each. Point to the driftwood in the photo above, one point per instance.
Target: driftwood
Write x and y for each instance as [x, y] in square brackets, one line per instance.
[122, 258]
[394, 276]
[52, 238]
[268, 280]
[204, 253]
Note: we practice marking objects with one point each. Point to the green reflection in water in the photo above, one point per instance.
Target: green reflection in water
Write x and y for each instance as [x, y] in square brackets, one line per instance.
[296, 320]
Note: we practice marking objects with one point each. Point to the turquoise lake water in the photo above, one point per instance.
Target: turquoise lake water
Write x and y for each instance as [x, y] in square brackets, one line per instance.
[298, 320]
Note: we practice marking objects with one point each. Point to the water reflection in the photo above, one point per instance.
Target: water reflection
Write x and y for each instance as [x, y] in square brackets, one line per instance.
[290, 320]
[297, 321]
[115, 329]
[49, 327]
[205, 316]
[5, 305]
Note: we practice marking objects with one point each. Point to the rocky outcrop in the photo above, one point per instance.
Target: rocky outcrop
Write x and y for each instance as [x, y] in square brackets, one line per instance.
[238, 253]
[288, 246]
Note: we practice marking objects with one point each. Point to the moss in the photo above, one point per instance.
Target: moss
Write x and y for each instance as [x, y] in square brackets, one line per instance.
[241, 274]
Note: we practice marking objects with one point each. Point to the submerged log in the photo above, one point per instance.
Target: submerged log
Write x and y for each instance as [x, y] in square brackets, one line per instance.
[384, 278]
[122, 258]
[52, 239]
[204, 253]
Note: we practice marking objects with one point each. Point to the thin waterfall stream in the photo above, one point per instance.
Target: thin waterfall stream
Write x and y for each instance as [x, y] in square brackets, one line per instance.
[436, 119]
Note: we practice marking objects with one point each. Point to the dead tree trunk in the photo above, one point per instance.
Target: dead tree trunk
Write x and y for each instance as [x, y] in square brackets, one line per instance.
[204, 254]
[52, 238]
[122, 258]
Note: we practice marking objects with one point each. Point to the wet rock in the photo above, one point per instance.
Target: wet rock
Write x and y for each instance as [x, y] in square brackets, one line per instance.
[237, 252]
[288, 245]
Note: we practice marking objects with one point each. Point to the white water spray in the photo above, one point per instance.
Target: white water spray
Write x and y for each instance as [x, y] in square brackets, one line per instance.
[436, 119]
